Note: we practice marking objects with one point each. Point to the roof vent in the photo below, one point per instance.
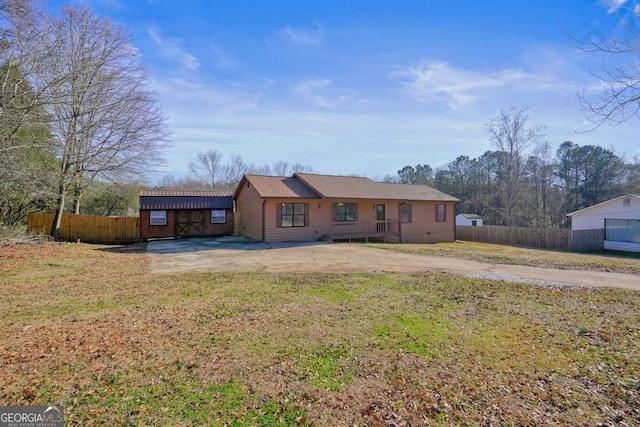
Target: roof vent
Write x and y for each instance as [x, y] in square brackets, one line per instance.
[626, 202]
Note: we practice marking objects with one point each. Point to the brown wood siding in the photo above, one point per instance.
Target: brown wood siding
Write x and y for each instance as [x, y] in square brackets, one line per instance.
[148, 231]
[156, 231]
[317, 221]
[249, 208]
[424, 228]
[320, 215]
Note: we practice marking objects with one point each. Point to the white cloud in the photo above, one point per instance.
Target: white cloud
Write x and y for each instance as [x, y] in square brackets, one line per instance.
[221, 59]
[301, 36]
[172, 48]
[437, 81]
[308, 92]
[188, 100]
[322, 93]
[613, 5]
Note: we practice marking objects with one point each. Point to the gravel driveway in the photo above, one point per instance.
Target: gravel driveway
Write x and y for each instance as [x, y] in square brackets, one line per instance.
[236, 255]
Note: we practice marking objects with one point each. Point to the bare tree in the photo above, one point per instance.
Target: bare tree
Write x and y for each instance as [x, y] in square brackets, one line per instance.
[25, 142]
[619, 99]
[540, 171]
[206, 166]
[280, 168]
[106, 123]
[26, 42]
[300, 168]
[509, 134]
[211, 168]
[232, 171]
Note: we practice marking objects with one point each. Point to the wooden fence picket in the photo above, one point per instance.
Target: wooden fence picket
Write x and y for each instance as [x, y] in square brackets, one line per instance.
[88, 228]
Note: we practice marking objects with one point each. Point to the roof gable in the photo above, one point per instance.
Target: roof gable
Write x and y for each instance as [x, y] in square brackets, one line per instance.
[604, 204]
[277, 186]
[470, 216]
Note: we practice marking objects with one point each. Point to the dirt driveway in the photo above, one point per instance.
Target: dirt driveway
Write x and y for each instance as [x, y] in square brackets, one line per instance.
[233, 255]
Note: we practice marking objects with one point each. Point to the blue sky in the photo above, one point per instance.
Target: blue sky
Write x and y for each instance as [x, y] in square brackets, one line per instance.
[364, 87]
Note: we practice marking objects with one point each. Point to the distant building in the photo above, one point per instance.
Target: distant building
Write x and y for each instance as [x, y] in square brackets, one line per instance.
[472, 220]
[613, 224]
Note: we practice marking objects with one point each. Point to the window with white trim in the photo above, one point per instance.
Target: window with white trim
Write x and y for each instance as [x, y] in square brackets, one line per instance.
[218, 216]
[157, 217]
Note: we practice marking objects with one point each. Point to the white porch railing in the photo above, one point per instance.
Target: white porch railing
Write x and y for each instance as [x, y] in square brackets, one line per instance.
[359, 230]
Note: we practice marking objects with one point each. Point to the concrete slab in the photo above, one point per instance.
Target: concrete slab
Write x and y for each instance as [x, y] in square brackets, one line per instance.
[237, 243]
[236, 255]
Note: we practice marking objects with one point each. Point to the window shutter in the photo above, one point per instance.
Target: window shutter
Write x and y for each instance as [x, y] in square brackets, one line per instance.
[306, 214]
[355, 211]
[278, 215]
[444, 214]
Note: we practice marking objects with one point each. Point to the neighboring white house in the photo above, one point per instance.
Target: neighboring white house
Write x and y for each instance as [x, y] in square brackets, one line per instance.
[469, 219]
[619, 218]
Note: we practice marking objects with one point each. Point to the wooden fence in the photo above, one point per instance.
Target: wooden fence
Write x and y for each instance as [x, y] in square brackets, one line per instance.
[587, 240]
[544, 238]
[89, 229]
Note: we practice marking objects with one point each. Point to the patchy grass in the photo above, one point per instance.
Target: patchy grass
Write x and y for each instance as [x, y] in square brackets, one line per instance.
[120, 346]
[502, 254]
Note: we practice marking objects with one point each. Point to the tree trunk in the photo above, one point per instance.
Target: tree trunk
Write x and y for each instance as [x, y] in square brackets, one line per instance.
[76, 199]
[57, 217]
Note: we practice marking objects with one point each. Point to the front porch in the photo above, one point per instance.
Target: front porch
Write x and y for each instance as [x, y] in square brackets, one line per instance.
[387, 230]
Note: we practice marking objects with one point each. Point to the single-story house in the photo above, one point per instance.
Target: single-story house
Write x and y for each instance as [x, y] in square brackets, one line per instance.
[314, 207]
[613, 224]
[185, 213]
[473, 220]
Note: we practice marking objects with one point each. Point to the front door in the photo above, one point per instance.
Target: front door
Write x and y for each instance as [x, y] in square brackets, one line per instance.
[381, 215]
[189, 223]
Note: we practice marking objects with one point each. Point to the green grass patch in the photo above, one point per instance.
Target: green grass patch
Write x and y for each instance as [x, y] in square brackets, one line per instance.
[333, 292]
[413, 334]
[177, 399]
[327, 367]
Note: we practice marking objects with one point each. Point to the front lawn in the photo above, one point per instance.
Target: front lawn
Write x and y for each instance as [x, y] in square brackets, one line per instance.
[91, 327]
[502, 254]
